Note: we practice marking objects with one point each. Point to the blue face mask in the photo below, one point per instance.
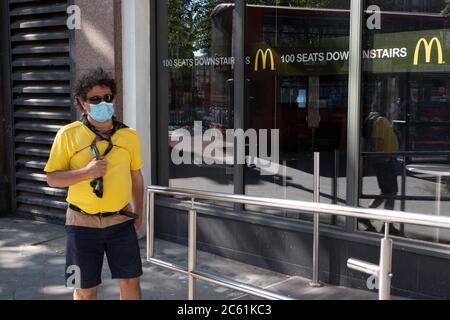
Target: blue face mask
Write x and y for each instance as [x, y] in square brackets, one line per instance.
[102, 112]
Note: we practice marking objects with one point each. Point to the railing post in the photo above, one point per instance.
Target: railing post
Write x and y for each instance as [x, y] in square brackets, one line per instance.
[315, 282]
[403, 202]
[383, 270]
[335, 182]
[150, 224]
[385, 274]
[192, 254]
[438, 205]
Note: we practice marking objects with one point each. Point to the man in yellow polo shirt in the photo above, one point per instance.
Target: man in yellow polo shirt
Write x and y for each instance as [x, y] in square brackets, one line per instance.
[99, 159]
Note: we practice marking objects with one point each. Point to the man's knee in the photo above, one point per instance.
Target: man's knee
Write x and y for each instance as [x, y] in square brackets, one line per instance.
[85, 294]
[129, 283]
[130, 289]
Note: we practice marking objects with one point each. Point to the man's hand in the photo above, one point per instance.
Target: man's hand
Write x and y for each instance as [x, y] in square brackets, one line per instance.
[63, 179]
[96, 169]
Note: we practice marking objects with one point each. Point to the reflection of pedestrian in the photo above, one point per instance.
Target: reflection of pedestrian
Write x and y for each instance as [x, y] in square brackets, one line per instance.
[380, 136]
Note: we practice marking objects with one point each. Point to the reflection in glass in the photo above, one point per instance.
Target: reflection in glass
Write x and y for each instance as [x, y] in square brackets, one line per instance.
[297, 73]
[199, 66]
[405, 98]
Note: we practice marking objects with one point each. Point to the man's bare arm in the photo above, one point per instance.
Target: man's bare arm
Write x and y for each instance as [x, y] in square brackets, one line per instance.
[63, 179]
[138, 195]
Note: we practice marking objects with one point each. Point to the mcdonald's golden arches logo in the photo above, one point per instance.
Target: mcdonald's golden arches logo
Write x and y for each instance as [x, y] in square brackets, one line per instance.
[264, 55]
[428, 46]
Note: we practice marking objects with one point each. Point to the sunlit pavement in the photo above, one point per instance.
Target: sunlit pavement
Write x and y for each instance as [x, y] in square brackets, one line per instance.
[32, 263]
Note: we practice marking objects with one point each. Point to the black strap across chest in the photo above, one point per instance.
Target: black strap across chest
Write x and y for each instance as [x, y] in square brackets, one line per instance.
[102, 136]
[97, 184]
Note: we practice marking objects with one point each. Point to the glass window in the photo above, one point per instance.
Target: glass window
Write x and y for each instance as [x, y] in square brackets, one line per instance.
[195, 95]
[404, 114]
[297, 76]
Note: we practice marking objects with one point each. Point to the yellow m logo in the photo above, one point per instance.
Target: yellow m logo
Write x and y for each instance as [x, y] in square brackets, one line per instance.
[428, 46]
[264, 55]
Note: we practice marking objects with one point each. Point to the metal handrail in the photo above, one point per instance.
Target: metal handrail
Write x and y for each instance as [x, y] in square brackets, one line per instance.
[383, 271]
[390, 216]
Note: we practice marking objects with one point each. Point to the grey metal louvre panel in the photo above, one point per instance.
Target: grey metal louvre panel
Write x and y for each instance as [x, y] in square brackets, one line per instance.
[41, 76]
[55, 102]
[41, 62]
[31, 175]
[37, 126]
[38, 10]
[35, 138]
[41, 114]
[41, 188]
[40, 49]
[37, 151]
[22, 1]
[39, 23]
[30, 162]
[41, 213]
[40, 36]
[42, 201]
[41, 87]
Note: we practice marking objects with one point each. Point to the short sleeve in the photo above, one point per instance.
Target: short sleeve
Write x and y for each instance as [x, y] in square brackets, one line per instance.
[59, 156]
[136, 158]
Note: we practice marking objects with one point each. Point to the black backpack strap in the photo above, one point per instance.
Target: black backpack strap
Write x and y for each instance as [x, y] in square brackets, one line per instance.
[119, 125]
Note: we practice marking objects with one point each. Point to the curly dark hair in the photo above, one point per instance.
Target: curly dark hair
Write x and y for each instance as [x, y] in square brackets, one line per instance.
[91, 79]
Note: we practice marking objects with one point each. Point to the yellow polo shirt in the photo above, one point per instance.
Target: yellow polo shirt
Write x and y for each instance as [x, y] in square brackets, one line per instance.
[383, 132]
[72, 151]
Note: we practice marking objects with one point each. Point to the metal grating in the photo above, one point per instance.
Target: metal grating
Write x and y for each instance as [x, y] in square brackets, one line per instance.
[41, 75]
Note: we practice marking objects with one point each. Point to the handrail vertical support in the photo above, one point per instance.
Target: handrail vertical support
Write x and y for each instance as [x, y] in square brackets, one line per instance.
[315, 282]
[192, 254]
[335, 182]
[335, 186]
[438, 205]
[150, 224]
[385, 274]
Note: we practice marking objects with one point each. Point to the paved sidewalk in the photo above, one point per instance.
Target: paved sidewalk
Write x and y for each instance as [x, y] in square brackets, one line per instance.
[32, 263]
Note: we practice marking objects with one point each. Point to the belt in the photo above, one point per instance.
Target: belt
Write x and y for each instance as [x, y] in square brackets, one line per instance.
[105, 214]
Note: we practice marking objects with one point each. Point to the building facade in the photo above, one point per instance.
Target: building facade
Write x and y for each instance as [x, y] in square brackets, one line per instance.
[366, 84]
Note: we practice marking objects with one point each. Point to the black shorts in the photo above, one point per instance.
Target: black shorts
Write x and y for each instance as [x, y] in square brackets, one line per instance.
[386, 173]
[86, 247]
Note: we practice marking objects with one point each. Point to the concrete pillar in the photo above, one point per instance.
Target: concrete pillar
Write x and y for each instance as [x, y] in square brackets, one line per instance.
[98, 41]
[136, 76]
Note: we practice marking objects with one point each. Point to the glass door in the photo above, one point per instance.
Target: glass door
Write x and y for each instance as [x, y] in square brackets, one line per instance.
[297, 77]
[405, 117]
